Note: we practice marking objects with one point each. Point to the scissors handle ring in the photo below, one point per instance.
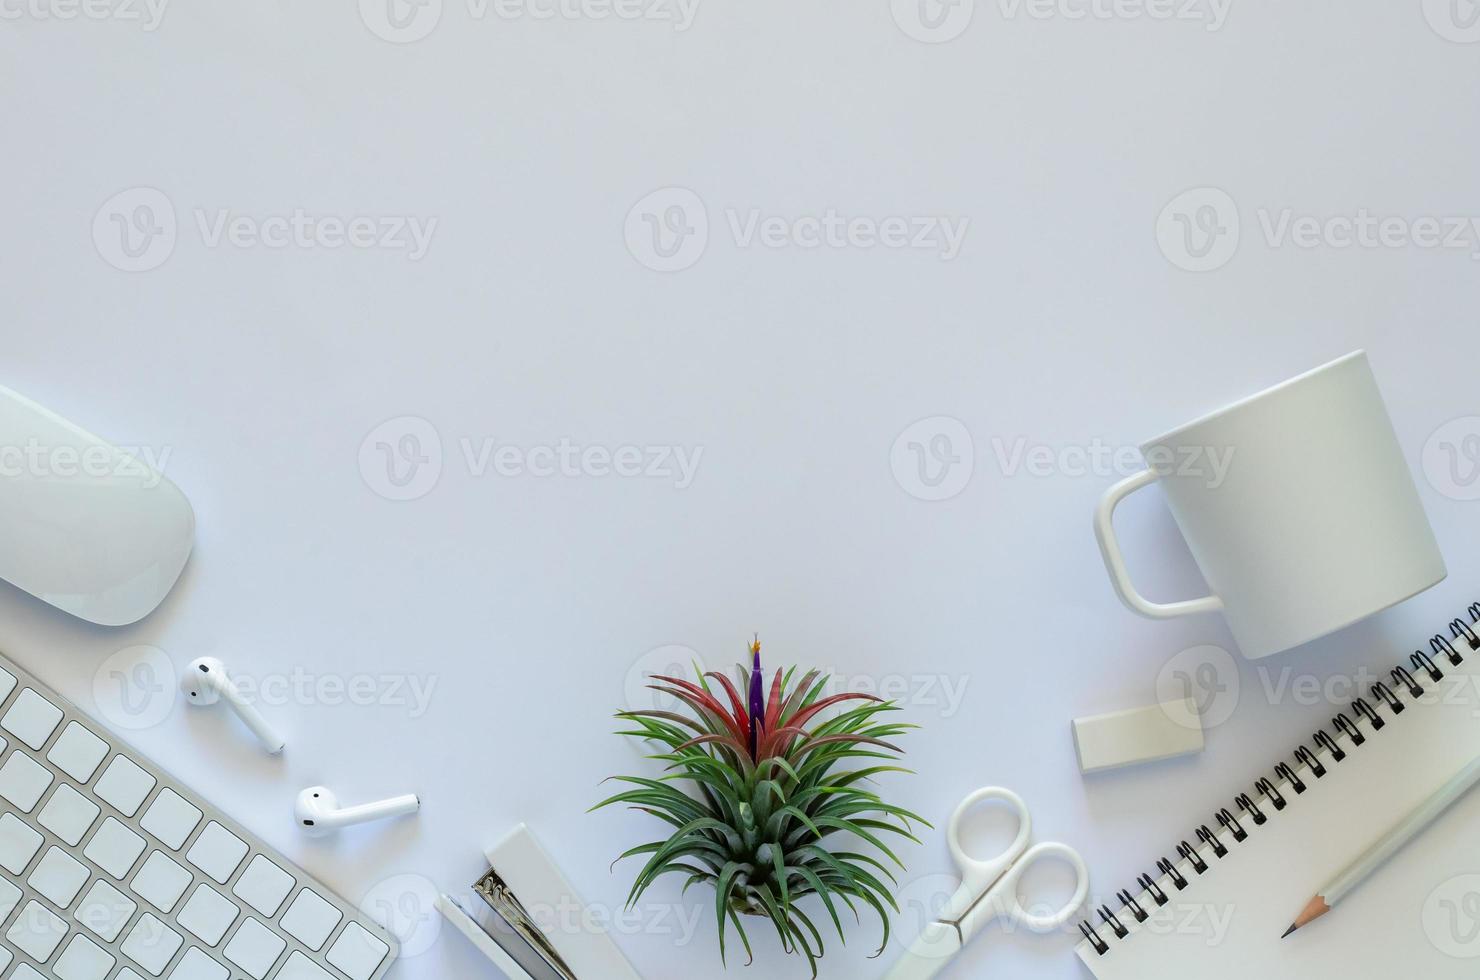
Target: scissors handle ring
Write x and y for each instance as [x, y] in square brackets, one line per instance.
[1025, 830]
[1052, 920]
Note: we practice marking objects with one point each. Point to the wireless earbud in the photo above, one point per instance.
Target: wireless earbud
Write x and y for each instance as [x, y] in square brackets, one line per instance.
[318, 811]
[206, 682]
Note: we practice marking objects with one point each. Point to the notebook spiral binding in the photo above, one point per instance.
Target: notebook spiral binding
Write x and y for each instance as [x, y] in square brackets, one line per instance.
[1421, 667]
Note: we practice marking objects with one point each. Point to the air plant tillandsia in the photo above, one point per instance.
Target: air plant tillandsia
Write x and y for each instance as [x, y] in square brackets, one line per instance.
[770, 793]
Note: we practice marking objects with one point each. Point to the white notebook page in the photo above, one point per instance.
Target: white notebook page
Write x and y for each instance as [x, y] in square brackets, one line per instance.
[1418, 918]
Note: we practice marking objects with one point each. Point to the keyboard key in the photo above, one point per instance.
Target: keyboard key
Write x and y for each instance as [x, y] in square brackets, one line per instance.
[23, 780]
[255, 948]
[161, 882]
[24, 972]
[59, 877]
[208, 914]
[171, 818]
[217, 852]
[31, 719]
[105, 910]
[114, 848]
[124, 785]
[195, 965]
[5, 955]
[68, 814]
[78, 752]
[36, 932]
[152, 944]
[310, 919]
[357, 952]
[18, 844]
[10, 897]
[83, 960]
[300, 967]
[7, 684]
[127, 974]
[263, 886]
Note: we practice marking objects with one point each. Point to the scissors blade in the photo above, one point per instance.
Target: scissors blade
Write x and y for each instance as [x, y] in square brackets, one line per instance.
[976, 904]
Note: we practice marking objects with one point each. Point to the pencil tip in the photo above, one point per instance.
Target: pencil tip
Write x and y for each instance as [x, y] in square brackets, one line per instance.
[1288, 931]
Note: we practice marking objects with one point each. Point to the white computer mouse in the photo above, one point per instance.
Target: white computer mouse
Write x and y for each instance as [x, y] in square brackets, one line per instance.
[87, 527]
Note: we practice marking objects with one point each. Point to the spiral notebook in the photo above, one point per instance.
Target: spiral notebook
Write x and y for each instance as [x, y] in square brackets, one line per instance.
[1215, 905]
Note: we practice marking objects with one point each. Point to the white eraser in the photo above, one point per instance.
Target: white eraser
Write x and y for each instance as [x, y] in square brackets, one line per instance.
[1124, 738]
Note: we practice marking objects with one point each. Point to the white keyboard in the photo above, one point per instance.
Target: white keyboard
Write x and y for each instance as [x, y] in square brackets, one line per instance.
[112, 870]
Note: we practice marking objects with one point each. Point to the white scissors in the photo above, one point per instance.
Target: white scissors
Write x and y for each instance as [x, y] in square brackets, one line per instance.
[989, 891]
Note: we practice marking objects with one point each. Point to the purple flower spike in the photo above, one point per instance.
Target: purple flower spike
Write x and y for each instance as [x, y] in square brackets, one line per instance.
[757, 694]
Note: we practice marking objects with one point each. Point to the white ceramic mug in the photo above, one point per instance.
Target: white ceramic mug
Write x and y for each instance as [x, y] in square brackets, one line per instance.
[1297, 504]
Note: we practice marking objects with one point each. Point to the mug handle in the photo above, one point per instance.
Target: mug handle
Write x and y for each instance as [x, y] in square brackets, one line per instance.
[1115, 562]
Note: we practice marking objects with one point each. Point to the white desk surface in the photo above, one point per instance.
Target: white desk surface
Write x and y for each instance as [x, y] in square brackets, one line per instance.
[1061, 322]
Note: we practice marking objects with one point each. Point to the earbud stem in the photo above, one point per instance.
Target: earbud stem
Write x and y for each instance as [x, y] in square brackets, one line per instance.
[252, 718]
[394, 807]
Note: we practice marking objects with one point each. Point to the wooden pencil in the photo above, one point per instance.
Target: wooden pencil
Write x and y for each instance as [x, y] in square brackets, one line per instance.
[1388, 845]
